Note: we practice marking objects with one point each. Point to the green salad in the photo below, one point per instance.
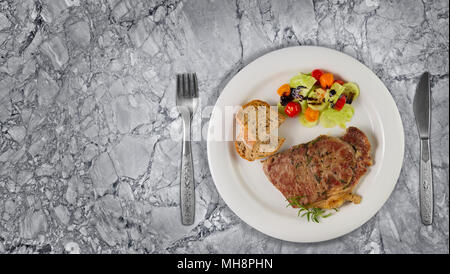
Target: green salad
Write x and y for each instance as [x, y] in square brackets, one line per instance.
[317, 98]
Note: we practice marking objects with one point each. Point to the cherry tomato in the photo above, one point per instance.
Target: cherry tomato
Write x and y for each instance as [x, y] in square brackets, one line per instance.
[311, 115]
[339, 82]
[284, 90]
[316, 74]
[340, 103]
[292, 109]
[326, 80]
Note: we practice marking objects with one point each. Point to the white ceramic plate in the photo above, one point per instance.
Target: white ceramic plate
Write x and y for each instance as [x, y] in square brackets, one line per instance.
[243, 185]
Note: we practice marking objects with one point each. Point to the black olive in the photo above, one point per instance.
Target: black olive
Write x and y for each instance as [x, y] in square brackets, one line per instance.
[284, 100]
[350, 98]
[332, 92]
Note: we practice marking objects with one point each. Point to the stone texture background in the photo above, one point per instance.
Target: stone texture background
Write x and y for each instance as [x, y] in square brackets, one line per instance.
[87, 108]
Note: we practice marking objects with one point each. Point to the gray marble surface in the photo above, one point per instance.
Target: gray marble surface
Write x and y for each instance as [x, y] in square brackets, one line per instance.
[87, 164]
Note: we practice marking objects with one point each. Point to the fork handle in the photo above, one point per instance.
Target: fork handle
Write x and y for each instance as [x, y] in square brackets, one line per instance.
[426, 183]
[187, 186]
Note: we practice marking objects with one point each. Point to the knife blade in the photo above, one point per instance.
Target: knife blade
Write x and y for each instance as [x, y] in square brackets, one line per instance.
[421, 106]
[422, 113]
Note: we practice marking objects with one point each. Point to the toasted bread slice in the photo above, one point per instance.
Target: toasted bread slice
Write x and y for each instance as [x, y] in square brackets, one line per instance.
[243, 119]
[253, 153]
[250, 123]
[248, 144]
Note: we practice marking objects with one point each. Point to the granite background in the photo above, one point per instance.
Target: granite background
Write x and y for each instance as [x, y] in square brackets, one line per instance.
[87, 164]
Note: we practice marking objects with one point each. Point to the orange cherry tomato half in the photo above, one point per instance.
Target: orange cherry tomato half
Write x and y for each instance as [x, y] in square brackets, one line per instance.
[326, 80]
[316, 74]
[292, 109]
[311, 115]
[284, 90]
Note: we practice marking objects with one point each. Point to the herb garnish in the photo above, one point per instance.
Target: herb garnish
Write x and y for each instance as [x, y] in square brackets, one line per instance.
[312, 213]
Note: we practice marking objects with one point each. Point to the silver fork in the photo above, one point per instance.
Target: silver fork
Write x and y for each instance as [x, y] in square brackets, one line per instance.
[187, 100]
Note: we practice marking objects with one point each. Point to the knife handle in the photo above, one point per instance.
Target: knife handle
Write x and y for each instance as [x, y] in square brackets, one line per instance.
[426, 183]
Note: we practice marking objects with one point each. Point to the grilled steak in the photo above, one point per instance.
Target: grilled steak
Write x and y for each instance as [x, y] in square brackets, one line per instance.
[323, 172]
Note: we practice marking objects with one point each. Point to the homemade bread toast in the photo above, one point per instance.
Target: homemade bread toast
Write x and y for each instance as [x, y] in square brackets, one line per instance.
[248, 143]
[253, 153]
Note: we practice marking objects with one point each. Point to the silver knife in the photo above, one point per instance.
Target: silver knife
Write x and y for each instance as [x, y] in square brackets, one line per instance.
[422, 112]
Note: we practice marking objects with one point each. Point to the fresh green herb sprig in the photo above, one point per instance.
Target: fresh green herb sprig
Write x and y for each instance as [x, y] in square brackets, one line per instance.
[312, 213]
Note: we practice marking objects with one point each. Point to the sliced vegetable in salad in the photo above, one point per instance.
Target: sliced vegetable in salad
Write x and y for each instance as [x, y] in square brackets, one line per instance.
[351, 92]
[332, 117]
[318, 98]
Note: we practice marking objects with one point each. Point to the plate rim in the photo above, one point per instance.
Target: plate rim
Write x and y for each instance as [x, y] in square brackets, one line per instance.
[398, 121]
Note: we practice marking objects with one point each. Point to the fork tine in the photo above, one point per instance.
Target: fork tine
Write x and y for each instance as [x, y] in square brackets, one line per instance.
[179, 87]
[191, 85]
[185, 85]
[182, 85]
[195, 85]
